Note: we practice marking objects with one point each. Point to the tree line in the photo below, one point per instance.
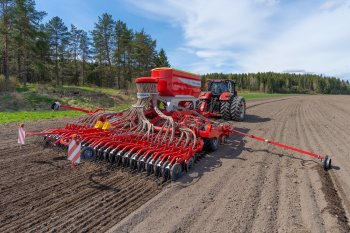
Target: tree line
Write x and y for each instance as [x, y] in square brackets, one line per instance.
[110, 55]
[271, 82]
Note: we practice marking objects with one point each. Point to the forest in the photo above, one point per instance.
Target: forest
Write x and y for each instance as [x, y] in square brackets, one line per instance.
[36, 52]
[110, 55]
[271, 82]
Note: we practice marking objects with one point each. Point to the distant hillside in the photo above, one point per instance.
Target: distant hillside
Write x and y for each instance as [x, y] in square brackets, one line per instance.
[270, 82]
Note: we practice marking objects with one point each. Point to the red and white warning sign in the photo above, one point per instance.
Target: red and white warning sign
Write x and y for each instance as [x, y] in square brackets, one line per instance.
[21, 135]
[74, 150]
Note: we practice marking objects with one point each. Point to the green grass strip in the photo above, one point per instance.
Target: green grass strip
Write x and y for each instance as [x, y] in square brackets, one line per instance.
[11, 117]
[260, 95]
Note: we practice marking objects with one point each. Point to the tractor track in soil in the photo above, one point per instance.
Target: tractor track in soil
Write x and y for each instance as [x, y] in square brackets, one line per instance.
[245, 186]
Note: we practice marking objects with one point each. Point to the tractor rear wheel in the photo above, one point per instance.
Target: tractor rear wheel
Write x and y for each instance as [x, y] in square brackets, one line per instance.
[225, 110]
[237, 109]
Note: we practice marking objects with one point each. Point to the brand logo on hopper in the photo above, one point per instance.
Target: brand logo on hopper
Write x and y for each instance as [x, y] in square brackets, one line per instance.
[190, 82]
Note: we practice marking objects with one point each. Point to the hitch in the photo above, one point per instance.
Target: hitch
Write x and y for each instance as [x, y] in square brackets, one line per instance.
[327, 161]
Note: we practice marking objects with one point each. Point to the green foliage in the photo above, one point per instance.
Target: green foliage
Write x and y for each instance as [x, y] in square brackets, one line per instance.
[111, 56]
[285, 83]
[162, 59]
[8, 85]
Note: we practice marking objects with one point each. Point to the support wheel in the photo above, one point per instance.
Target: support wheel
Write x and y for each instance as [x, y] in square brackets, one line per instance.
[164, 171]
[148, 166]
[327, 163]
[237, 109]
[156, 168]
[189, 164]
[140, 164]
[175, 171]
[211, 144]
[88, 153]
[111, 157]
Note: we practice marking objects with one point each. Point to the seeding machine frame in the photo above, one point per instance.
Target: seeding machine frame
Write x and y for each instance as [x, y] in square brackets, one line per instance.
[165, 142]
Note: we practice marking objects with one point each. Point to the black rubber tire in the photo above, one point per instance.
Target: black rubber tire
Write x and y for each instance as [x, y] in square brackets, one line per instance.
[47, 142]
[327, 163]
[211, 144]
[237, 108]
[88, 153]
[225, 109]
[175, 171]
[156, 169]
[165, 172]
[189, 164]
[132, 162]
[111, 156]
[140, 164]
[148, 167]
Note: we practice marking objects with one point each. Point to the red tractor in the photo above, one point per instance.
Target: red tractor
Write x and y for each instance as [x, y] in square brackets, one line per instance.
[221, 100]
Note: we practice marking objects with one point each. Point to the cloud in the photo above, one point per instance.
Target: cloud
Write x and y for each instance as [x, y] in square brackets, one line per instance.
[258, 35]
[318, 43]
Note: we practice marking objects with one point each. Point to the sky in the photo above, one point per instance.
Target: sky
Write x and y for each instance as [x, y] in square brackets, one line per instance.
[231, 36]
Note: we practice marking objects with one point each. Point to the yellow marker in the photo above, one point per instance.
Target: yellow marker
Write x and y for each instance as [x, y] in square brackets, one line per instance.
[106, 125]
[98, 125]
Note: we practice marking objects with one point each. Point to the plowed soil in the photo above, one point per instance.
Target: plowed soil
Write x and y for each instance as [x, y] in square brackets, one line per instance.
[245, 186]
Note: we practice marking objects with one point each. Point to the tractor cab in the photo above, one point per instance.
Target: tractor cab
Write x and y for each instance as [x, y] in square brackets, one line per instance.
[217, 87]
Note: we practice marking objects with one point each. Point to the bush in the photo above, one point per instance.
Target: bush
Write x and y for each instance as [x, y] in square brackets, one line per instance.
[10, 86]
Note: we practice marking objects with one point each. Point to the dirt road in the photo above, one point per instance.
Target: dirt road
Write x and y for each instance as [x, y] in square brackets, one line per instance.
[246, 186]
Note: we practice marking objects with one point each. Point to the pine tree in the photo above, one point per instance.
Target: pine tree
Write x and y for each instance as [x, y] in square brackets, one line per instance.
[162, 59]
[103, 37]
[84, 53]
[42, 56]
[58, 40]
[122, 54]
[104, 44]
[74, 41]
[144, 53]
[26, 22]
[6, 7]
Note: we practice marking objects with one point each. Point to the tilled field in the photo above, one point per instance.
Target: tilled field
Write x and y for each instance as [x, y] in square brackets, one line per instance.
[246, 186]
[40, 192]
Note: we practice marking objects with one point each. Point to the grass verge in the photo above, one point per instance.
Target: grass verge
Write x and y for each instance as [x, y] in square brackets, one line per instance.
[12, 117]
[260, 95]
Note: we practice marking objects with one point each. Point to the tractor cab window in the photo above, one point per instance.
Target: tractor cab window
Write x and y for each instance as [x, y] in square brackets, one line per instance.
[219, 87]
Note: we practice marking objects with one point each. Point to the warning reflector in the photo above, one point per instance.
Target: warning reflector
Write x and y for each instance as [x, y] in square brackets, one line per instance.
[21, 135]
[74, 150]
